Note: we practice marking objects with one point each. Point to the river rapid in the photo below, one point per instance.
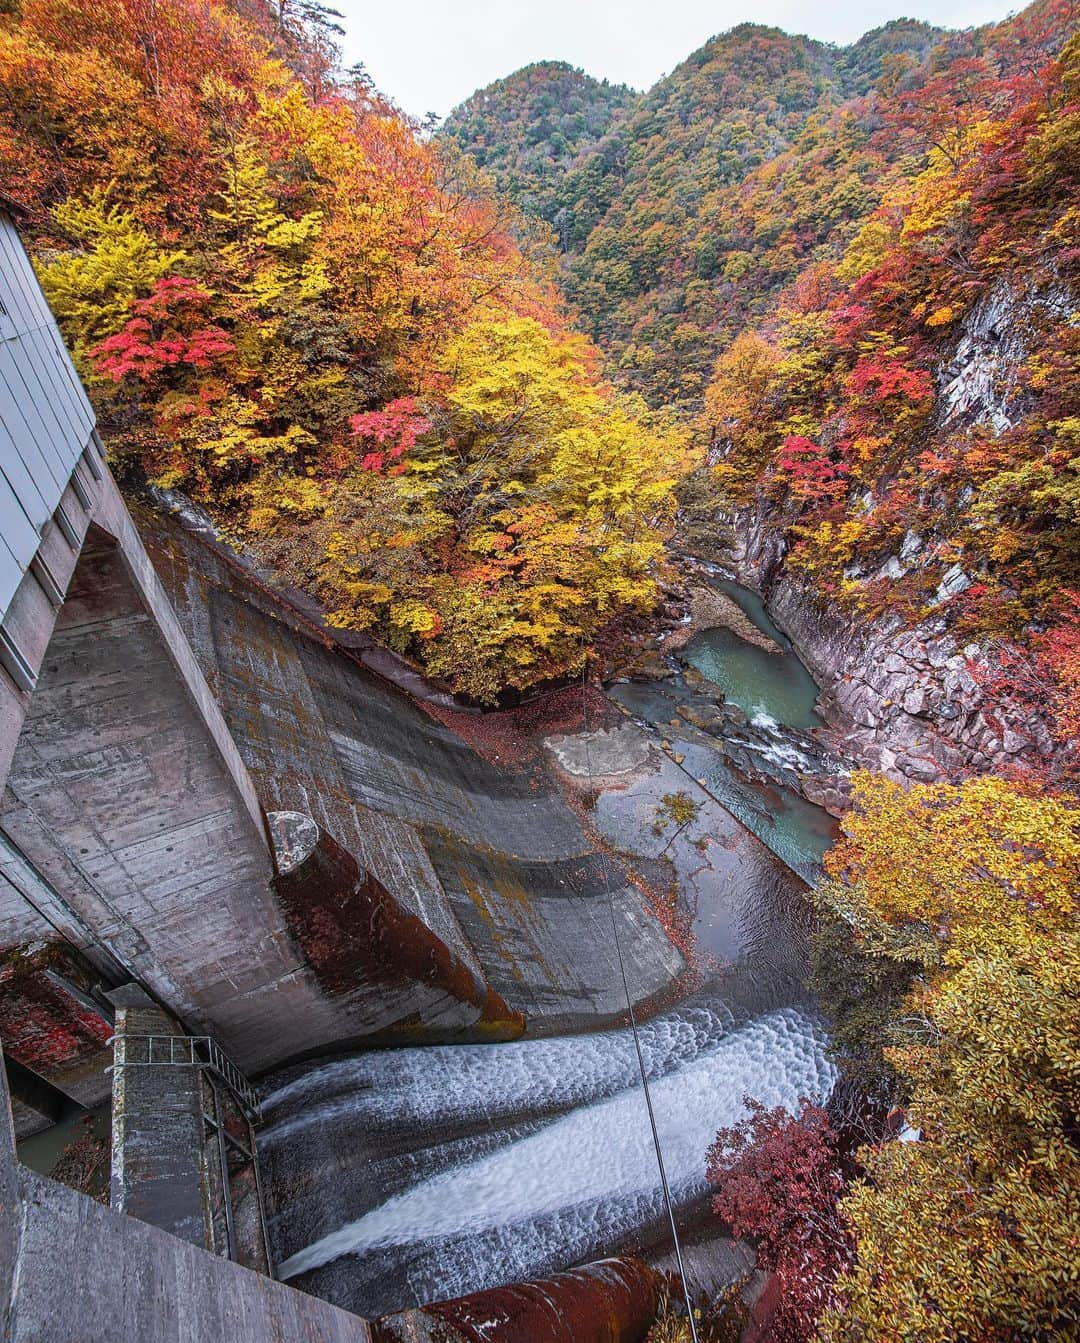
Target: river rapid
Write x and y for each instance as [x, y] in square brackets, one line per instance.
[409, 1175]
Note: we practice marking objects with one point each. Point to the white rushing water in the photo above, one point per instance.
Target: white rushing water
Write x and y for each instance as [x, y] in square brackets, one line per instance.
[778, 750]
[458, 1083]
[595, 1164]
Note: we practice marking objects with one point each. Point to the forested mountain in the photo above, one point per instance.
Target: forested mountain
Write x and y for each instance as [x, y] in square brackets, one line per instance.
[328, 332]
[657, 234]
[529, 130]
[915, 391]
[832, 223]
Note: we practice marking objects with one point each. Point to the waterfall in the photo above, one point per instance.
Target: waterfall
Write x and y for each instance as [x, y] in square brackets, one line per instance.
[459, 1083]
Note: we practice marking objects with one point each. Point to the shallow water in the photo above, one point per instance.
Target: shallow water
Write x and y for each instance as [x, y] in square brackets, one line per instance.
[764, 685]
[752, 605]
[795, 830]
[777, 693]
[798, 832]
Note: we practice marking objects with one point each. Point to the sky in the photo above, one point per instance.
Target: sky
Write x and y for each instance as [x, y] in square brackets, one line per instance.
[429, 55]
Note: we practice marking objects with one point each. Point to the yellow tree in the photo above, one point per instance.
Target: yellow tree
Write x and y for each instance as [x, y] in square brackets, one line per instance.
[531, 510]
[110, 262]
[740, 405]
[564, 493]
[973, 1232]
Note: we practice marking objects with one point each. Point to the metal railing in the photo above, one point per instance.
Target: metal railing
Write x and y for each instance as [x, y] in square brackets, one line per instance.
[188, 1051]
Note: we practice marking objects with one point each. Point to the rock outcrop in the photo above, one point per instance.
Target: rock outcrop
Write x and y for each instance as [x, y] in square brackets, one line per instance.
[910, 701]
[707, 608]
[981, 383]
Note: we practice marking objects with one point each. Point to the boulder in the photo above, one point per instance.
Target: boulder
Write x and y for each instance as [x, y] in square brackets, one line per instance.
[953, 582]
[1014, 742]
[920, 770]
[914, 700]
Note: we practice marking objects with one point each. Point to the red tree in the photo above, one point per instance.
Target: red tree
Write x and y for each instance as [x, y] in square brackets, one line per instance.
[167, 328]
[937, 111]
[811, 472]
[387, 435]
[1043, 675]
[778, 1180]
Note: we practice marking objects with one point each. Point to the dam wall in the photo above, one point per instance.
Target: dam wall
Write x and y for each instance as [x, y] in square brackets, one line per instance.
[72, 1271]
[174, 705]
[491, 860]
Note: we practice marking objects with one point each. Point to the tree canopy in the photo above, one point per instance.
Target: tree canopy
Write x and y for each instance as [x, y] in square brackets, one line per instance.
[971, 893]
[332, 334]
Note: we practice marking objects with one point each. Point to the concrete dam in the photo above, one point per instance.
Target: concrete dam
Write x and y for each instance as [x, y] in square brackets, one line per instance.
[328, 1001]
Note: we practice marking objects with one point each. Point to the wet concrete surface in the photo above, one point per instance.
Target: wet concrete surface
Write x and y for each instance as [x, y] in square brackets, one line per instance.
[492, 861]
[417, 1174]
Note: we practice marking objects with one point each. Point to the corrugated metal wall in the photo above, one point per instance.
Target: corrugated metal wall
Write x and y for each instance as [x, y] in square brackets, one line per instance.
[46, 420]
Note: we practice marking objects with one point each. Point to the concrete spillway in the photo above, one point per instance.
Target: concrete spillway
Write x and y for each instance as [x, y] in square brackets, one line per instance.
[421, 1174]
[411, 1175]
[488, 867]
[414, 1088]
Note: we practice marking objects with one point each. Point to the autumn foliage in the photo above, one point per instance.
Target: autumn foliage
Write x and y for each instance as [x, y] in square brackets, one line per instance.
[777, 1179]
[839, 414]
[682, 211]
[286, 305]
[971, 892]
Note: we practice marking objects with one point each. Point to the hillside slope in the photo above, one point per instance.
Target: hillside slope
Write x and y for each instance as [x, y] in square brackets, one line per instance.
[657, 237]
[530, 129]
[328, 332]
[864, 263]
[903, 423]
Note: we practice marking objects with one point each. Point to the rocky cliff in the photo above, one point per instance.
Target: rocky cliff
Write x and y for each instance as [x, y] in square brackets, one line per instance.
[907, 702]
[911, 700]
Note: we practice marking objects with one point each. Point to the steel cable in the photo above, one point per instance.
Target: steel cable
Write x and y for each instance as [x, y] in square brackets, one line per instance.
[606, 872]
